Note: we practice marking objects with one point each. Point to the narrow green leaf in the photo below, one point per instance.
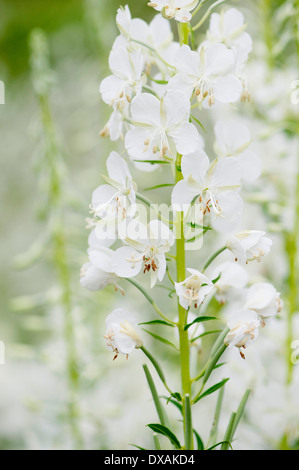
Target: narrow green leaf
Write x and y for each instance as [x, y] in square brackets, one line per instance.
[240, 410]
[229, 433]
[156, 322]
[176, 396]
[196, 226]
[214, 430]
[206, 333]
[213, 362]
[219, 443]
[156, 366]
[161, 339]
[211, 390]
[151, 384]
[200, 444]
[165, 185]
[158, 428]
[137, 447]
[178, 405]
[188, 422]
[200, 320]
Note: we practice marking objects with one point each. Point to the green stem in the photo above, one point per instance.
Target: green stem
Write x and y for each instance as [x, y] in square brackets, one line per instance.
[181, 275]
[157, 367]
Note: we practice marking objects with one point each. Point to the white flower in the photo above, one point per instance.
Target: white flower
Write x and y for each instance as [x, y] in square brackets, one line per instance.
[146, 250]
[97, 274]
[233, 139]
[249, 245]
[228, 28]
[161, 129]
[193, 290]
[244, 330]
[154, 39]
[206, 72]
[214, 187]
[114, 201]
[232, 276]
[177, 9]
[121, 335]
[263, 299]
[127, 79]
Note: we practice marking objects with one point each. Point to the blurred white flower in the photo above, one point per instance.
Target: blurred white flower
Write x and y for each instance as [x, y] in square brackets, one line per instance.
[214, 185]
[121, 335]
[208, 73]
[233, 139]
[177, 9]
[146, 250]
[127, 79]
[232, 276]
[97, 273]
[228, 28]
[193, 290]
[162, 127]
[264, 299]
[244, 330]
[249, 245]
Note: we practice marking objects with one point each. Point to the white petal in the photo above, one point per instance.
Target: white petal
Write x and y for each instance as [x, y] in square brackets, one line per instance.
[122, 262]
[227, 89]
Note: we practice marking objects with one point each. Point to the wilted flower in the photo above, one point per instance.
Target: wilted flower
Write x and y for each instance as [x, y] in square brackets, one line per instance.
[121, 335]
[193, 290]
[249, 245]
[244, 330]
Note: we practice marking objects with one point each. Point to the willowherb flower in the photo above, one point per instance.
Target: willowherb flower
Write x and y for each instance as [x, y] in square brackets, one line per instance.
[207, 73]
[145, 250]
[249, 245]
[121, 333]
[97, 273]
[213, 186]
[228, 28]
[155, 39]
[193, 290]
[231, 276]
[233, 139]
[161, 128]
[244, 330]
[127, 79]
[177, 9]
[113, 202]
[263, 299]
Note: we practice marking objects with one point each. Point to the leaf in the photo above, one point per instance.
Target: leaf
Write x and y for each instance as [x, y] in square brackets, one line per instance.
[206, 333]
[165, 185]
[156, 322]
[196, 226]
[137, 447]
[158, 428]
[217, 279]
[175, 395]
[219, 443]
[200, 444]
[151, 384]
[178, 405]
[229, 433]
[211, 390]
[161, 339]
[240, 410]
[200, 320]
